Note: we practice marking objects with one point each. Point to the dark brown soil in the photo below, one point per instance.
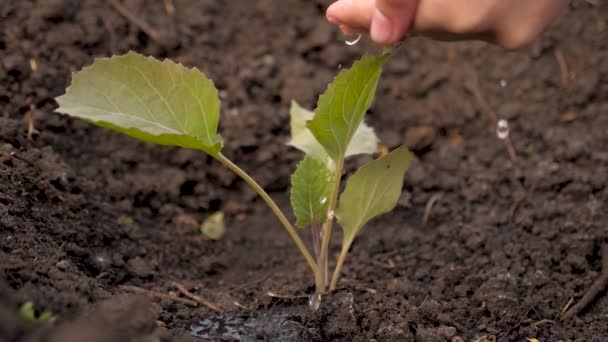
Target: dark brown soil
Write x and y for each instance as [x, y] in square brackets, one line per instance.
[84, 211]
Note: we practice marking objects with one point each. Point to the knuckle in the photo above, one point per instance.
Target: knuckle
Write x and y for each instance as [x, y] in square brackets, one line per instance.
[473, 22]
[518, 35]
[394, 6]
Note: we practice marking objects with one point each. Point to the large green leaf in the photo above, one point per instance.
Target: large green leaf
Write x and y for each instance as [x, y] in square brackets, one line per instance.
[341, 108]
[159, 102]
[372, 191]
[310, 191]
[364, 141]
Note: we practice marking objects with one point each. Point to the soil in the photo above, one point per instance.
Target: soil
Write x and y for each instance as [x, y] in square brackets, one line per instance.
[507, 245]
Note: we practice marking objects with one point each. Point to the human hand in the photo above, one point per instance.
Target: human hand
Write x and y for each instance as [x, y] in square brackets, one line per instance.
[508, 23]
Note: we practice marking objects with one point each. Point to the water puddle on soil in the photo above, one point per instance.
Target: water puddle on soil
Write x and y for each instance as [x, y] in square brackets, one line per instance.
[248, 329]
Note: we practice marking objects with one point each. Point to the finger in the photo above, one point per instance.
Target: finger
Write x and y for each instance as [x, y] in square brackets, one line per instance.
[510, 24]
[351, 13]
[391, 20]
[435, 16]
[351, 31]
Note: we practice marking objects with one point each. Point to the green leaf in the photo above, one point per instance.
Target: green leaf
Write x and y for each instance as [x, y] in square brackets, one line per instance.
[372, 191]
[310, 191]
[214, 227]
[341, 108]
[364, 141]
[27, 312]
[159, 102]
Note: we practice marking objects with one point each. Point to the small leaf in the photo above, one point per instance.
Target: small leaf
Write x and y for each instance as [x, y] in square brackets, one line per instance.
[125, 220]
[214, 227]
[341, 108]
[310, 191]
[364, 141]
[159, 102]
[27, 312]
[372, 191]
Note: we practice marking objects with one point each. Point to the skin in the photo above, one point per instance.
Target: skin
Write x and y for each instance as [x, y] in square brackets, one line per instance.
[507, 23]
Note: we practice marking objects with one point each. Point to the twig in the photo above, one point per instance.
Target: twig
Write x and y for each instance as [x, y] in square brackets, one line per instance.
[511, 149]
[239, 305]
[516, 205]
[151, 32]
[429, 207]
[196, 298]
[481, 100]
[521, 199]
[541, 322]
[596, 288]
[563, 67]
[27, 161]
[251, 283]
[280, 296]
[566, 307]
[286, 297]
[30, 121]
[159, 295]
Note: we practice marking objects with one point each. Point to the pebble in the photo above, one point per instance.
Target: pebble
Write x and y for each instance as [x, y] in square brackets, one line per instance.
[138, 267]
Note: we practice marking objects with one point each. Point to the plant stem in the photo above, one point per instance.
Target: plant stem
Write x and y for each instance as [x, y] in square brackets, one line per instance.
[276, 210]
[341, 258]
[333, 199]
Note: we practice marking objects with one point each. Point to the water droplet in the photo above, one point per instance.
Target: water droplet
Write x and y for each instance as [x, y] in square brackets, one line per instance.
[339, 66]
[502, 129]
[503, 83]
[353, 41]
[330, 215]
[314, 301]
[323, 200]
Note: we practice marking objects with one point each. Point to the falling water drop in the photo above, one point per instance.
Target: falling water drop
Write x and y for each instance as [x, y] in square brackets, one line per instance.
[323, 200]
[314, 301]
[502, 129]
[353, 41]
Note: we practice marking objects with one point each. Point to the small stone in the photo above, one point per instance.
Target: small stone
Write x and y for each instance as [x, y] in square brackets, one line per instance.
[185, 224]
[138, 267]
[233, 208]
[419, 138]
[446, 331]
[65, 265]
[6, 147]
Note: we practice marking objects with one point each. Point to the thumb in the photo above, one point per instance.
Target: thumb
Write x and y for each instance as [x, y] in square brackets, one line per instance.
[391, 20]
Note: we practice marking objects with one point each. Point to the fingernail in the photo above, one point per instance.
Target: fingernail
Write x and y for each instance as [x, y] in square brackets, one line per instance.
[382, 28]
[347, 30]
[333, 20]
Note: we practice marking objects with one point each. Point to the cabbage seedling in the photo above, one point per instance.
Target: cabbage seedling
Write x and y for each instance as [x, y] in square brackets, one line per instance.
[167, 104]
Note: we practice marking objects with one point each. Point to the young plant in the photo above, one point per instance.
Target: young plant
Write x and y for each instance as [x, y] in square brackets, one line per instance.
[168, 104]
